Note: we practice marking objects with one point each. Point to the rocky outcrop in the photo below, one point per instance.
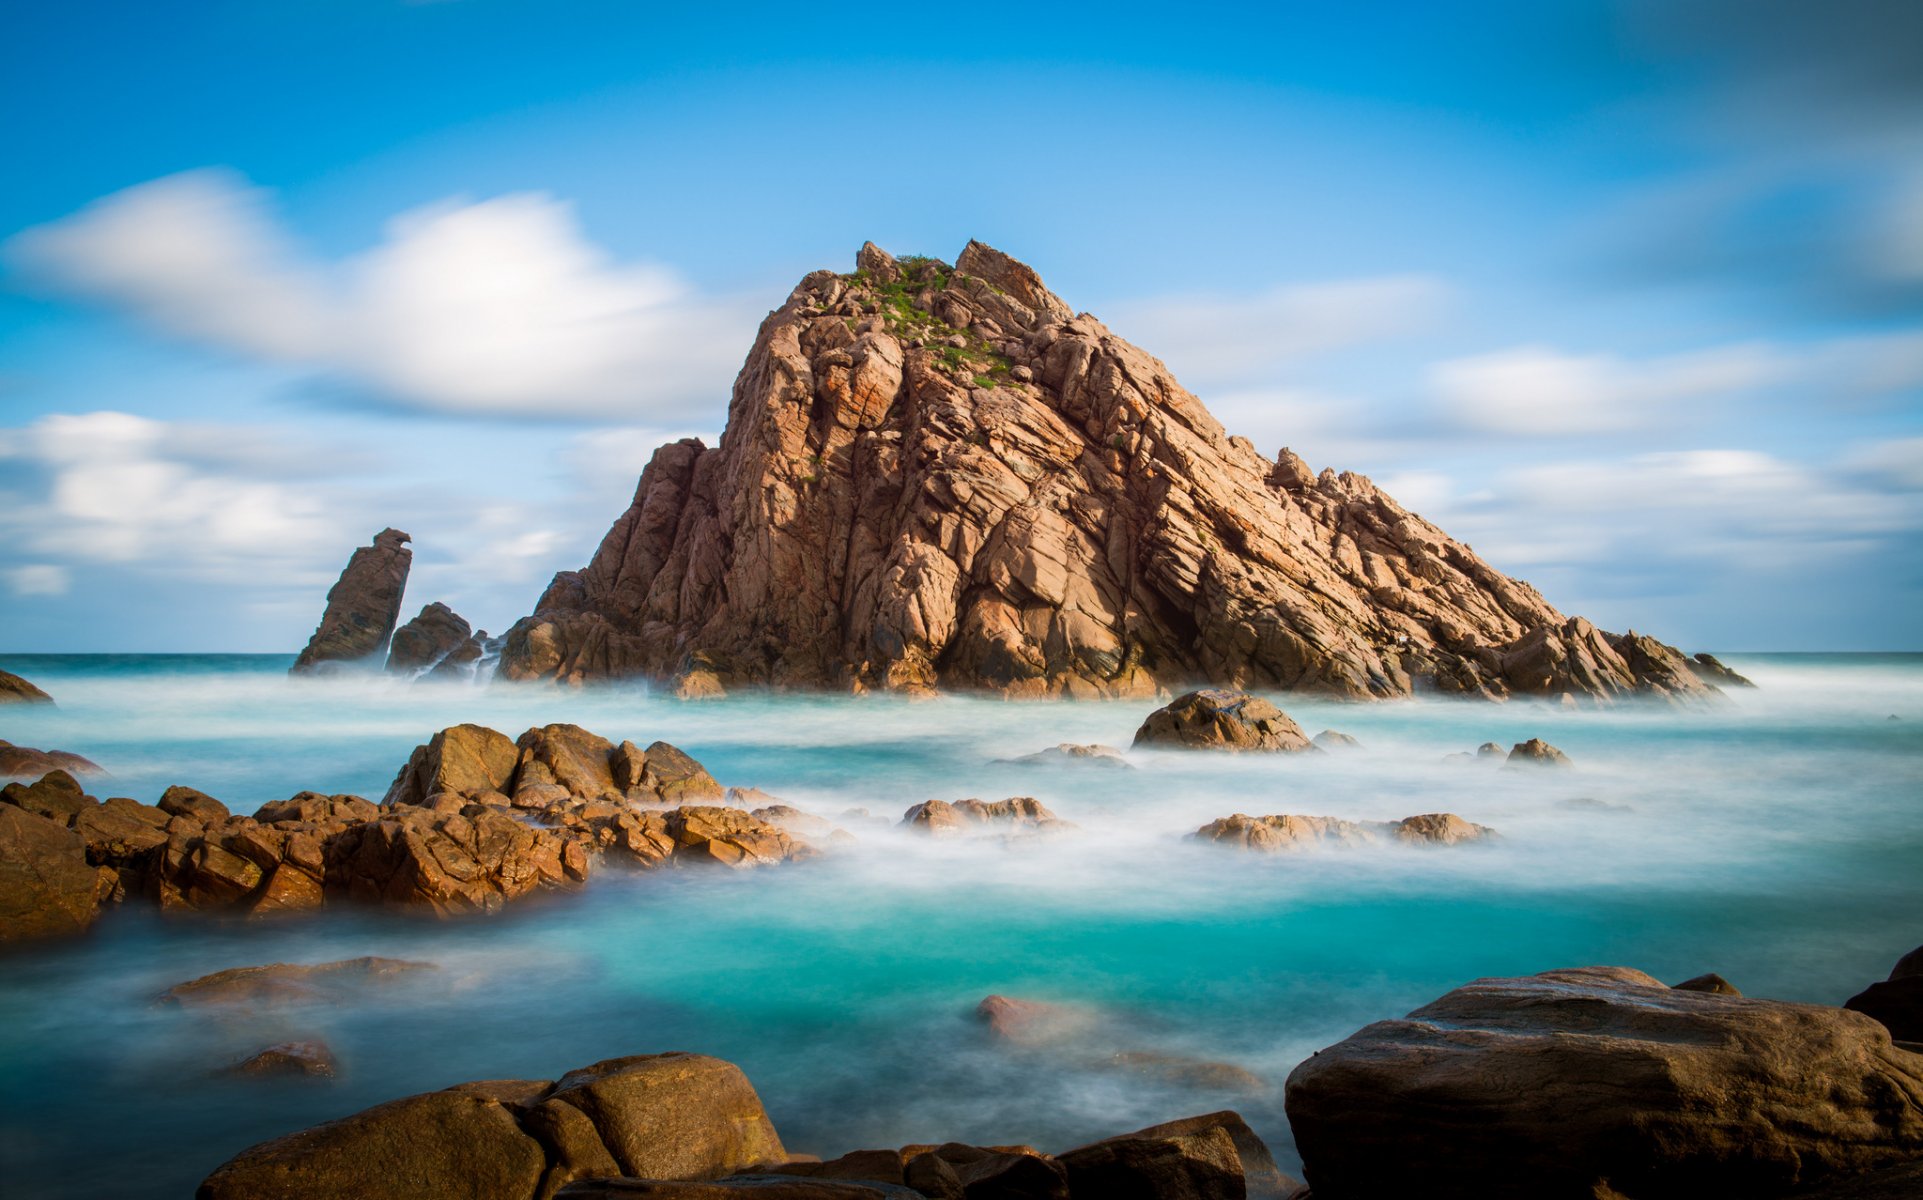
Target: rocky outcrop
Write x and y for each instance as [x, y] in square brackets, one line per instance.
[1017, 814]
[1213, 719]
[1291, 831]
[24, 762]
[363, 606]
[1897, 1002]
[424, 642]
[661, 1116]
[938, 476]
[15, 690]
[47, 887]
[1533, 754]
[1199, 1157]
[1601, 1081]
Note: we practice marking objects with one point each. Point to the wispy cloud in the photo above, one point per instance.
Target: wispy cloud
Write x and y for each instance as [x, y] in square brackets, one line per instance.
[499, 308]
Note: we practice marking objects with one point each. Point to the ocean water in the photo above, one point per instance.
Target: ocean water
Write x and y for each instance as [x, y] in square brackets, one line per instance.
[1777, 840]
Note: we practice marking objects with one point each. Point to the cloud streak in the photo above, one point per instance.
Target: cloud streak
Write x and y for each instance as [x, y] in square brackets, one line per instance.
[499, 308]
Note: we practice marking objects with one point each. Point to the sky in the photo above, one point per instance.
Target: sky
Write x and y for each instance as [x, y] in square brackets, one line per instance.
[1627, 295]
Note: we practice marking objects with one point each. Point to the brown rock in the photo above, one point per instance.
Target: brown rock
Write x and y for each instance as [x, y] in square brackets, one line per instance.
[55, 795]
[362, 606]
[795, 821]
[458, 663]
[713, 833]
[1331, 740]
[47, 887]
[1440, 829]
[1712, 983]
[1261, 1179]
[1284, 832]
[464, 760]
[15, 690]
[474, 860]
[875, 1166]
[290, 983]
[930, 1175]
[737, 1187]
[309, 1059]
[674, 1116]
[330, 813]
[119, 832]
[1017, 814]
[420, 645]
[1599, 1081]
[198, 805]
[878, 518]
[1709, 670]
[1071, 752]
[664, 773]
[567, 756]
[438, 1144]
[1534, 753]
[1192, 1161]
[1212, 719]
[24, 762]
[1001, 1175]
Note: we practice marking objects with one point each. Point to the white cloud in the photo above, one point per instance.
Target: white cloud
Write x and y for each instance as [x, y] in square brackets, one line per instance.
[37, 579]
[496, 308]
[1543, 391]
[1898, 461]
[1213, 339]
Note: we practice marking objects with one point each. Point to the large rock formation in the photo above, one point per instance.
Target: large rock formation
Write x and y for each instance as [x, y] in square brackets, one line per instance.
[363, 605]
[939, 476]
[1600, 1081]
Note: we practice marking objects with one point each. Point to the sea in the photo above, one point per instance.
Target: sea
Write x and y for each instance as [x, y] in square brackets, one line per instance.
[1776, 839]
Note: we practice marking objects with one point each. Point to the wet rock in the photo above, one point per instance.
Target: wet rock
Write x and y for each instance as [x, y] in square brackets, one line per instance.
[1331, 740]
[24, 762]
[1200, 1158]
[47, 887]
[1283, 832]
[193, 804]
[362, 606]
[1017, 814]
[1083, 528]
[461, 760]
[1072, 753]
[435, 632]
[1581, 1081]
[730, 837]
[795, 821]
[120, 832]
[15, 690]
[669, 774]
[474, 860]
[298, 1059]
[438, 1144]
[1535, 753]
[1712, 983]
[1213, 719]
[290, 983]
[674, 1116]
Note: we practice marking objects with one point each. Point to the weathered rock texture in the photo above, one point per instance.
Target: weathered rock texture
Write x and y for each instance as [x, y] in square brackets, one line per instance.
[1600, 1081]
[1291, 831]
[363, 604]
[939, 476]
[425, 642]
[15, 690]
[472, 822]
[1017, 814]
[1214, 719]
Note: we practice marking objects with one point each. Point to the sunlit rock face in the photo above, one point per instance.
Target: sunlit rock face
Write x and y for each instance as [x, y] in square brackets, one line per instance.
[942, 477]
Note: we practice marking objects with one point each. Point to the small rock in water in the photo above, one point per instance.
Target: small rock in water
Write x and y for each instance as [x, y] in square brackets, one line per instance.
[1217, 719]
[1535, 753]
[1071, 752]
[309, 1059]
[1329, 739]
[1712, 983]
[1489, 750]
[282, 983]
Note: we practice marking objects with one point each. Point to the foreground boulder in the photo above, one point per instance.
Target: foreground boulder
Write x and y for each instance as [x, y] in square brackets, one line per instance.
[15, 690]
[362, 606]
[1213, 719]
[1199, 1158]
[660, 1116]
[47, 887]
[1291, 831]
[1600, 1081]
[943, 476]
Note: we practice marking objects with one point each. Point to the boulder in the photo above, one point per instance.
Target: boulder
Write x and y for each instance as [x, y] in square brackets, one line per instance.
[668, 774]
[473, 860]
[459, 663]
[55, 795]
[793, 820]
[1331, 740]
[674, 1116]
[24, 762]
[1439, 829]
[195, 805]
[362, 606]
[438, 1144]
[737, 1187]
[420, 645]
[1896, 1003]
[312, 1060]
[1602, 1081]
[461, 760]
[1213, 719]
[47, 887]
[1292, 831]
[1017, 814]
[730, 837]
[15, 690]
[1200, 1158]
[1489, 750]
[1711, 982]
[569, 757]
[289, 983]
[1533, 754]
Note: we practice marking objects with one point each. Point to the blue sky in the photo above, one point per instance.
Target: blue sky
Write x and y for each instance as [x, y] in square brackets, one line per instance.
[1628, 295]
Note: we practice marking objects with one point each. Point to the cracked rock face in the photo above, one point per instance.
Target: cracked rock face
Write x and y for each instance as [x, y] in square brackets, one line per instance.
[942, 477]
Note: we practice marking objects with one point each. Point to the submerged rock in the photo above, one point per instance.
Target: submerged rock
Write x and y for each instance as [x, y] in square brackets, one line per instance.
[939, 476]
[289, 983]
[1017, 814]
[310, 1059]
[1331, 740]
[1602, 1081]
[1213, 719]
[1712, 983]
[424, 642]
[362, 606]
[1293, 831]
[24, 762]
[1070, 752]
[15, 690]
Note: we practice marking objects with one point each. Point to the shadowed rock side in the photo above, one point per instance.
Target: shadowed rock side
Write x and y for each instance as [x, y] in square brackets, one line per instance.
[363, 604]
[425, 642]
[943, 477]
[15, 690]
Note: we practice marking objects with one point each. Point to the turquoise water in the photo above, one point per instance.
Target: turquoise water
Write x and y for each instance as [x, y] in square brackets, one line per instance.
[1776, 840]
